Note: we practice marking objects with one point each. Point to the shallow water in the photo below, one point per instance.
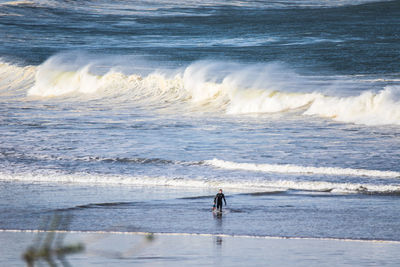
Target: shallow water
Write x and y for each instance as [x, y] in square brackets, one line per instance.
[188, 210]
[199, 250]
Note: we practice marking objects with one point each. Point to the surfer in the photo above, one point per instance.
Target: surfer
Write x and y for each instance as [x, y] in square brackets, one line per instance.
[218, 200]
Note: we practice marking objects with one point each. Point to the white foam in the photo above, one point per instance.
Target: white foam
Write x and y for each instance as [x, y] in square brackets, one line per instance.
[51, 82]
[368, 108]
[289, 168]
[36, 231]
[182, 182]
[17, 3]
[15, 79]
[230, 88]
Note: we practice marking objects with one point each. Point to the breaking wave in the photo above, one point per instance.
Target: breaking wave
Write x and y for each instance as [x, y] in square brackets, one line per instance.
[368, 108]
[232, 184]
[289, 168]
[231, 88]
[14, 80]
[16, 3]
[215, 163]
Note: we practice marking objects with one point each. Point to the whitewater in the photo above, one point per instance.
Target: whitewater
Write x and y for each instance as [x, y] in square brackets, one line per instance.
[229, 87]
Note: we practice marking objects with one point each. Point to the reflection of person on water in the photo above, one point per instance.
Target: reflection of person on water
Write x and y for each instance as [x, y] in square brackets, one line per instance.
[218, 200]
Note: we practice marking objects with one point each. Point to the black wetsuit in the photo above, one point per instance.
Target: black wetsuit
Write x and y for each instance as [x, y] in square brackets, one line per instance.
[218, 200]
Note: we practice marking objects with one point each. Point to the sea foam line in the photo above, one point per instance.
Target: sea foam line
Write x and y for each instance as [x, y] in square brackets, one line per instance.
[289, 168]
[181, 182]
[201, 235]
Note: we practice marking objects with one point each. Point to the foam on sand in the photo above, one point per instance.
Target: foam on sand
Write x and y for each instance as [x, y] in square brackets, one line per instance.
[195, 234]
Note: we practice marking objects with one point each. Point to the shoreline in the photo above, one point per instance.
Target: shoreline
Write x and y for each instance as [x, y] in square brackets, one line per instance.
[201, 235]
[127, 249]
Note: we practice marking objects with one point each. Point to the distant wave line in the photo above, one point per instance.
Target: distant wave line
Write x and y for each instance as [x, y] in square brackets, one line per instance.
[217, 163]
[289, 168]
[183, 182]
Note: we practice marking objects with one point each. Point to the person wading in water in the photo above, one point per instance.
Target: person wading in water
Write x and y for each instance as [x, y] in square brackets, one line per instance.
[218, 200]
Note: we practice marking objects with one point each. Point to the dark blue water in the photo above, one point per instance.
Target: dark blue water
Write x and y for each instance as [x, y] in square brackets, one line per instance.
[349, 39]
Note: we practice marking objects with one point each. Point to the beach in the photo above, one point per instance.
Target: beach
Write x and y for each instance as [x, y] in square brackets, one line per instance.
[127, 249]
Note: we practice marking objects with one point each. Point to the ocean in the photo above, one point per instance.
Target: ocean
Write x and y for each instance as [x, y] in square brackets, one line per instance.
[129, 116]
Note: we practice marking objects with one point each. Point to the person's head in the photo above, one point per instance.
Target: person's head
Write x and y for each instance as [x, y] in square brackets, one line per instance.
[220, 190]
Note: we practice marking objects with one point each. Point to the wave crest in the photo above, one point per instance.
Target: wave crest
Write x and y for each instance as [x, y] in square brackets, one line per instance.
[15, 79]
[368, 108]
[231, 88]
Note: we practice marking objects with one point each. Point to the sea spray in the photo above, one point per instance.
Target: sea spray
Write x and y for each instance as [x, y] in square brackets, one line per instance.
[232, 88]
[14, 79]
[368, 108]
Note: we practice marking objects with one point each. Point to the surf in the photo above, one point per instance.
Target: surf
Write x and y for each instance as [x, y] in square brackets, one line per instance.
[229, 88]
[242, 185]
[15, 79]
[297, 169]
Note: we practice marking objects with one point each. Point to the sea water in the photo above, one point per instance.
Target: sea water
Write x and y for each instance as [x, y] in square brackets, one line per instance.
[130, 115]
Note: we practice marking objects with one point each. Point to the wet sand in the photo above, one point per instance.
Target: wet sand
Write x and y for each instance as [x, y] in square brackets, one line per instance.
[127, 249]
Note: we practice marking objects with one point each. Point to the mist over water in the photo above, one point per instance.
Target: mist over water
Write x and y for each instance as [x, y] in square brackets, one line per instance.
[295, 98]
